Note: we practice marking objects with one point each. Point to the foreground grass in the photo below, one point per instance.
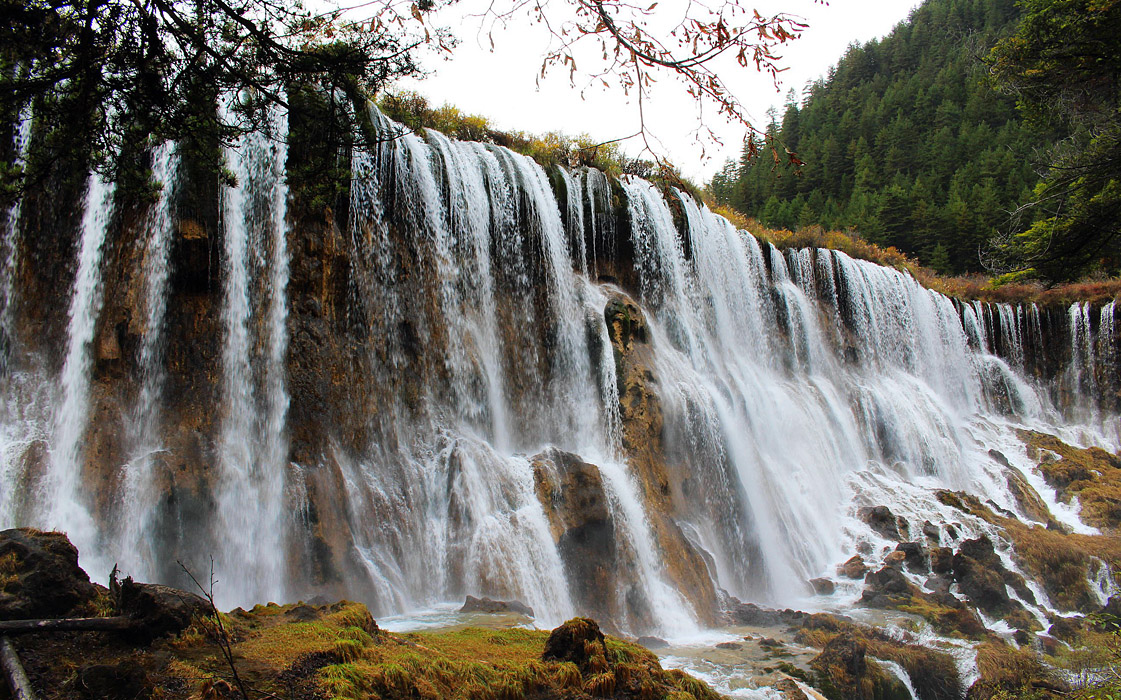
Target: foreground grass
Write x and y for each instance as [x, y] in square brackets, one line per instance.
[338, 652]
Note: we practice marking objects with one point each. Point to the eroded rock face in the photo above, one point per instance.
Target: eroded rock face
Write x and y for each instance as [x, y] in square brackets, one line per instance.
[571, 491]
[644, 442]
[40, 576]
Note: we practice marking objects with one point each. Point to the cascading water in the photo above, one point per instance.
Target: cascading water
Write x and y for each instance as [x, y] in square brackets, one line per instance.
[9, 244]
[784, 390]
[253, 461]
[62, 493]
[139, 492]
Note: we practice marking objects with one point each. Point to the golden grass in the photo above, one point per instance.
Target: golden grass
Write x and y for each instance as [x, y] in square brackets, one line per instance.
[352, 660]
[966, 287]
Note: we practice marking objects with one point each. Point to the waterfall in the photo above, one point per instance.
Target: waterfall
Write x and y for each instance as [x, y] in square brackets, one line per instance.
[9, 244]
[461, 308]
[252, 457]
[139, 494]
[63, 489]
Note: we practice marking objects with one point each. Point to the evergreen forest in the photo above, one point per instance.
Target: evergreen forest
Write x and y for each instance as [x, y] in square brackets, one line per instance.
[906, 142]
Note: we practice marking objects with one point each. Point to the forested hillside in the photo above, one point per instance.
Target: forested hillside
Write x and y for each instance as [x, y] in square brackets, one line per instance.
[905, 141]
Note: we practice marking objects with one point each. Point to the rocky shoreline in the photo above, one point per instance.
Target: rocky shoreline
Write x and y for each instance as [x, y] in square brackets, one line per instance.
[175, 644]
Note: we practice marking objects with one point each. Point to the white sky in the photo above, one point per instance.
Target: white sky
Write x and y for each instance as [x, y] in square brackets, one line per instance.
[501, 84]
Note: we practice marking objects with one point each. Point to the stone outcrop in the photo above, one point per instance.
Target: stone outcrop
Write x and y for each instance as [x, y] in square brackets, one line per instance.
[486, 605]
[644, 441]
[40, 576]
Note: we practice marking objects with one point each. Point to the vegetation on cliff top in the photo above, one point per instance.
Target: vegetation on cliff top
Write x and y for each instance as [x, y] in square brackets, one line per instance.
[911, 142]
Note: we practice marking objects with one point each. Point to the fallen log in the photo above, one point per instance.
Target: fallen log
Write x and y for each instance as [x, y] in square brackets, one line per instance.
[13, 669]
[68, 624]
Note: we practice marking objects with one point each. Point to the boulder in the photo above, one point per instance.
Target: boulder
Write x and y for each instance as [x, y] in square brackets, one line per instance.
[40, 576]
[941, 560]
[752, 615]
[843, 671]
[887, 588]
[160, 610]
[1068, 629]
[853, 568]
[486, 605]
[823, 586]
[884, 522]
[914, 556]
[577, 641]
[653, 642]
[982, 578]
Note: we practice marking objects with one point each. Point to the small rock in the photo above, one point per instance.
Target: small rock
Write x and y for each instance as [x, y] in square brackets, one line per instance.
[883, 521]
[895, 559]
[770, 643]
[729, 645]
[1051, 646]
[941, 560]
[486, 605]
[302, 613]
[653, 642]
[914, 556]
[853, 568]
[822, 586]
[937, 584]
[790, 690]
[931, 531]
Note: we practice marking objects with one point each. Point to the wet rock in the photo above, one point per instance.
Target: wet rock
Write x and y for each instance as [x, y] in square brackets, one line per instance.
[843, 671]
[653, 642]
[982, 578]
[930, 530]
[853, 568]
[939, 585]
[572, 494]
[1028, 499]
[790, 690]
[895, 560]
[999, 458]
[770, 643]
[887, 588]
[40, 576]
[914, 556]
[941, 560]
[823, 586]
[884, 522]
[126, 681]
[577, 640]
[1067, 629]
[486, 605]
[752, 615]
[733, 646]
[160, 610]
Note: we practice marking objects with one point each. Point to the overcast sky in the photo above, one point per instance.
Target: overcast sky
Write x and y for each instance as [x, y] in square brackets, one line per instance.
[502, 84]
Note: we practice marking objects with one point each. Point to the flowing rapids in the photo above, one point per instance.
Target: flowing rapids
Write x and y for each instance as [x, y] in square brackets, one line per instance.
[403, 405]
